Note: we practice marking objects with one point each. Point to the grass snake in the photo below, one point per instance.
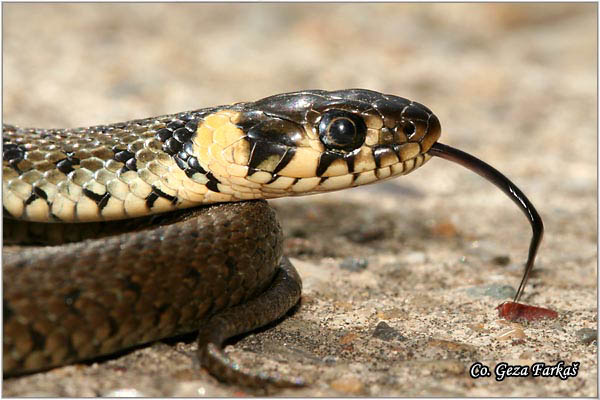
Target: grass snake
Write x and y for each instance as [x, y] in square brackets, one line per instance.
[122, 234]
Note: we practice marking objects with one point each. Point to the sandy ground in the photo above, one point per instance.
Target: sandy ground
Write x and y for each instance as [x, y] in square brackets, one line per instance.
[401, 279]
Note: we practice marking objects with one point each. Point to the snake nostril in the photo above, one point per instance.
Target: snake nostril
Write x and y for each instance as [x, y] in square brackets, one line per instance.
[409, 129]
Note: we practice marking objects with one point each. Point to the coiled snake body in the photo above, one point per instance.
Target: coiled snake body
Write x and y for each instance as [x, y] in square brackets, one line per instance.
[121, 250]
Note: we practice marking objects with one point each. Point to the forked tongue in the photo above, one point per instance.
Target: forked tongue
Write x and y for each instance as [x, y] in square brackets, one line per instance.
[511, 190]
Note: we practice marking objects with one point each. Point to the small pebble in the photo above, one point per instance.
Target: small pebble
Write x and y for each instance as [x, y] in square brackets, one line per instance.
[385, 332]
[587, 335]
[354, 264]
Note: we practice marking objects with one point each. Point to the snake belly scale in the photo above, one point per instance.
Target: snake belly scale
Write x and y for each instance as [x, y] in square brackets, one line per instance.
[122, 234]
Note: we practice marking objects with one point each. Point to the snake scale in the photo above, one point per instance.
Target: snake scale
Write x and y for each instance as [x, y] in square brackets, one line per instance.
[118, 235]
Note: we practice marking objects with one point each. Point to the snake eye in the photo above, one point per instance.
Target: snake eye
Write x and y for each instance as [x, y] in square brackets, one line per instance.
[342, 130]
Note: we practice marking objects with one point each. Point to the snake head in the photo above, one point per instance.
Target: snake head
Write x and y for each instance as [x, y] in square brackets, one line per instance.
[315, 141]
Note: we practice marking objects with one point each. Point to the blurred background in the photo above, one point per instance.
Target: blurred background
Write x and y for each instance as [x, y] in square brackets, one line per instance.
[513, 83]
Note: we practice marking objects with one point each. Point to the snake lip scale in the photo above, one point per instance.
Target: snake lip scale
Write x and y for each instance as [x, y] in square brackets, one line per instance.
[122, 234]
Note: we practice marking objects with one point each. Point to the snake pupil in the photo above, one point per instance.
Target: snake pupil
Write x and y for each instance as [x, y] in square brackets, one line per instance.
[342, 130]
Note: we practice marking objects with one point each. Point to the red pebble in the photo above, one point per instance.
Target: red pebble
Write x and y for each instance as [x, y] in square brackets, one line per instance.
[513, 311]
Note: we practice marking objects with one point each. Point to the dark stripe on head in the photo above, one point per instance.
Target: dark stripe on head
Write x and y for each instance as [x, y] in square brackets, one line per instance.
[381, 152]
[349, 158]
[263, 150]
[325, 161]
[285, 160]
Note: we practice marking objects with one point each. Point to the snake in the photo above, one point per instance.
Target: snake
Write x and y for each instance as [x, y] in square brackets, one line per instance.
[123, 234]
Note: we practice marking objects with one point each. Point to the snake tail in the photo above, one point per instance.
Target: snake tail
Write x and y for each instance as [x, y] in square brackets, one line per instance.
[510, 189]
[283, 294]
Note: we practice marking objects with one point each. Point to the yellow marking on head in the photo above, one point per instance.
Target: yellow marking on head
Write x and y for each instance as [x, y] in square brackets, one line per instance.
[218, 119]
[303, 164]
[269, 163]
[337, 168]
[241, 152]
[217, 169]
[237, 170]
[228, 134]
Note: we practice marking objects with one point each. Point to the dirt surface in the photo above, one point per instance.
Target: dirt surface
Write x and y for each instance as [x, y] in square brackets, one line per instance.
[401, 279]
